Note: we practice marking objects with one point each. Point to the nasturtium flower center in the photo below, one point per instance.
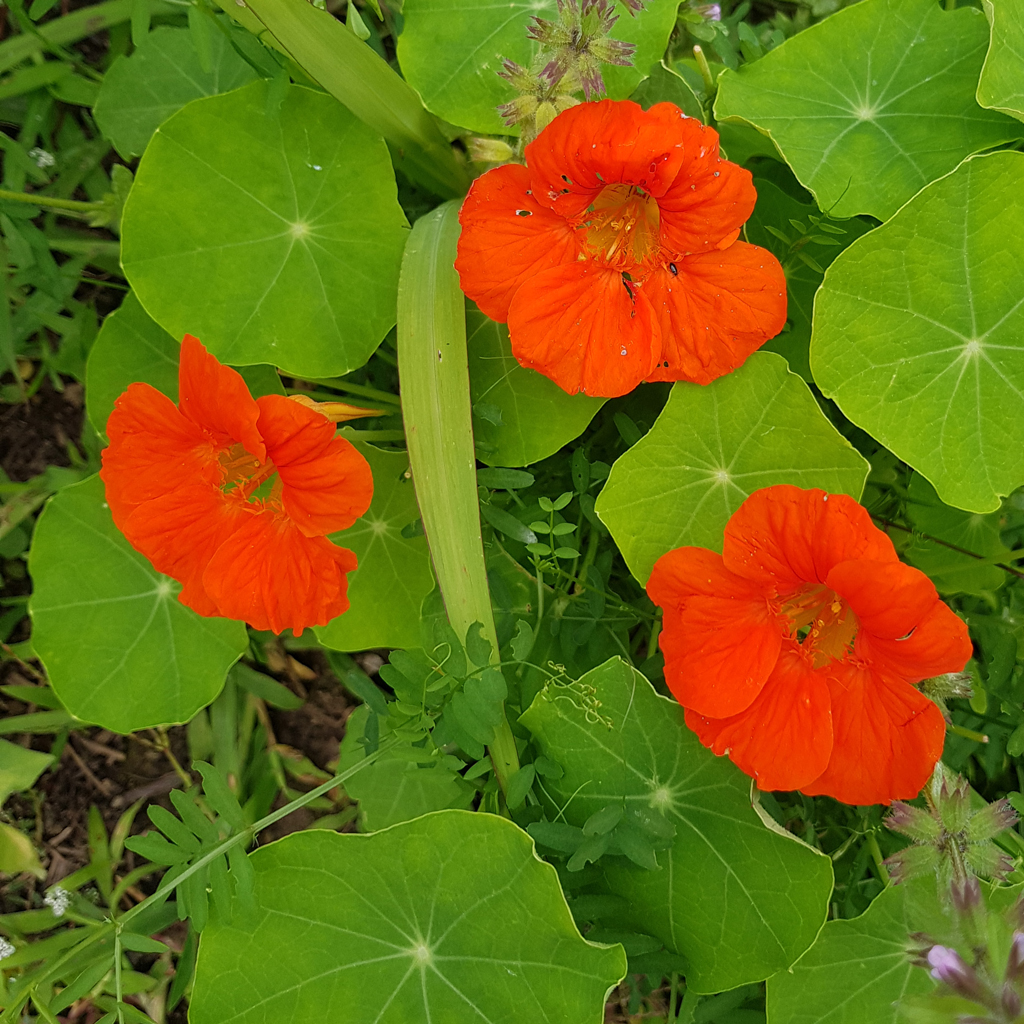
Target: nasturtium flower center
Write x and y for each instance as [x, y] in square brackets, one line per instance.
[824, 623]
[623, 226]
[246, 477]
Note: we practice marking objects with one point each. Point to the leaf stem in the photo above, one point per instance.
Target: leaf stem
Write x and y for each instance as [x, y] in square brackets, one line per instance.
[50, 202]
[705, 72]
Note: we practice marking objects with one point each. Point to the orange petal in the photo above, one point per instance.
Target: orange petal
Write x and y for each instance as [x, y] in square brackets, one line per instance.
[889, 598]
[580, 325]
[715, 310]
[507, 237]
[269, 575]
[783, 537]
[708, 201]
[606, 143]
[937, 644]
[215, 397]
[886, 739]
[179, 533]
[720, 639]
[784, 739]
[153, 449]
[327, 484]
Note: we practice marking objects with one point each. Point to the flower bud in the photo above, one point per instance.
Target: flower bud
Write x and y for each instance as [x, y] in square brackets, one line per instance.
[1011, 1002]
[489, 151]
[966, 895]
[949, 967]
[1015, 961]
[546, 113]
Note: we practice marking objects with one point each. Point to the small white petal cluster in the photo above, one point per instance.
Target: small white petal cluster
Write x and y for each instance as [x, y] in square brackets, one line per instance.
[57, 899]
[6, 949]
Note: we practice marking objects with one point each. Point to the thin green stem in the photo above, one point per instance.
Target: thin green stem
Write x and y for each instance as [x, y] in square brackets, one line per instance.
[50, 202]
[876, 856]
[672, 999]
[705, 72]
[340, 384]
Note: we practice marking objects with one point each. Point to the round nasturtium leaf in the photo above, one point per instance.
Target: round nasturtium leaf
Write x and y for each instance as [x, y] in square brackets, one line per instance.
[873, 103]
[451, 52]
[394, 575]
[164, 73]
[711, 448]
[919, 332]
[119, 648]
[736, 899]
[131, 346]
[1002, 78]
[272, 232]
[519, 415]
[450, 917]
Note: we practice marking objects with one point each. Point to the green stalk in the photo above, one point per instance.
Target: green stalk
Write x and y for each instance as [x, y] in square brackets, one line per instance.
[352, 73]
[70, 29]
[50, 202]
[434, 376]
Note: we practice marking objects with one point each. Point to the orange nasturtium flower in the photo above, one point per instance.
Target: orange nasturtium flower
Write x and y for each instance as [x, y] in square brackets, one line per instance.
[234, 496]
[795, 652]
[613, 254]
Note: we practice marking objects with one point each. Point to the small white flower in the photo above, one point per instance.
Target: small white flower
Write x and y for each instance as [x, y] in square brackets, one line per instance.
[6, 949]
[42, 157]
[57, 899]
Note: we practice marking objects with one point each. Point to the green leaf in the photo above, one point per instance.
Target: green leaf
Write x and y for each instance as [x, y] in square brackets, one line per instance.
[919, 332]
[774, 210]
[451, 917]
[858, 970]
[17, 854]
[664, 85]
[713, 446]
[394, 574]
[272, 237]
[357, 77]
[393, 790]
[142, 91]
[1002, 78]
[19, 768]
[119, 649]
[950, 570]
[131, 346]
[451, 51]
[872, 103]
[536, 416]
[735, 899]
[270, 690]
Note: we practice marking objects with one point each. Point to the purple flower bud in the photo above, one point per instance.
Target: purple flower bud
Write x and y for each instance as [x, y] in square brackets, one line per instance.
[966, 895]
[1011, 1002]
[948, 967]
[1015, 961]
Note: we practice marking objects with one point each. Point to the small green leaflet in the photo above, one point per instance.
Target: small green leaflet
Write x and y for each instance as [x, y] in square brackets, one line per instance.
[451, 917]
[918, 332]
